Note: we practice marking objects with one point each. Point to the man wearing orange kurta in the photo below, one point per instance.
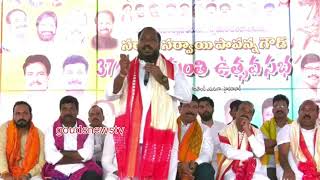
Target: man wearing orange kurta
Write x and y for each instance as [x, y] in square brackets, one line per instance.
[21, 145]
[195, 151]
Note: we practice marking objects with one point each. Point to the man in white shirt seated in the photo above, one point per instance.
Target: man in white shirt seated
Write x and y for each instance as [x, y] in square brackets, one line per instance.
[195, 146]
[96, 118]
[109, 159]
[68, 149]
[206, 109]
[269, 129]
[299, 145]
[242, 145]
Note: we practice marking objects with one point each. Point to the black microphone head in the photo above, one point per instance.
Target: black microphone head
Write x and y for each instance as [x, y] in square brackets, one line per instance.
[146, 78]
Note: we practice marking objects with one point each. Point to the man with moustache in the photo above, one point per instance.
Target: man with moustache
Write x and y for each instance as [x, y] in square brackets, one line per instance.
[69, 156]
[242, 145]
[21, 146]
[17, 37]
[195, 147]
[104, 23]
[75, 72]
[148, 88]
[206, 109]
[310, 67]
[270, 128]
[96, 118]
[36, 70]
[47, 26]
[299, 145]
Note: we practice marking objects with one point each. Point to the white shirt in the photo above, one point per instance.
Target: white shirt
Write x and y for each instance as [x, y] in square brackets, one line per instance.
[272, 160]
[98, 146]
[53, 155]
[214, 141]
[184, 129]
[179, 89]
[258, 149]
[284, 137]
[109, 161]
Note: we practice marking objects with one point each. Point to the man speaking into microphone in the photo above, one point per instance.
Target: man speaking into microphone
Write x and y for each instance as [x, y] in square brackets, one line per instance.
[148, 88]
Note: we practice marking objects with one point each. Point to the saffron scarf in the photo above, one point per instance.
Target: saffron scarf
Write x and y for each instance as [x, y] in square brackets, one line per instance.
[243, 170]
[13, 147]
[308, 165]
[48, 170]
[154, 159]
[190, 143]
[269, 130]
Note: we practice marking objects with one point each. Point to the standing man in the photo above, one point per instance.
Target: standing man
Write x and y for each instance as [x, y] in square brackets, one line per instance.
[206, 109]
[270, 128]
[242, 145]
[69, 155]
[145, 149]
[299, 145]
[96, 118]
[21, 145]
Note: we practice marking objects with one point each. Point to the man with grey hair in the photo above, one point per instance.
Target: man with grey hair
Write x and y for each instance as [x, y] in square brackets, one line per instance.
[242, 145]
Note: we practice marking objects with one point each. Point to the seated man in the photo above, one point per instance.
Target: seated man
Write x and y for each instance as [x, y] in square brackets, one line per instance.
[270, 128]
[242, 145]
[299, 145]
[96, 118]
[109, 160]
[195, 147]
[68, 150]
[21, 145]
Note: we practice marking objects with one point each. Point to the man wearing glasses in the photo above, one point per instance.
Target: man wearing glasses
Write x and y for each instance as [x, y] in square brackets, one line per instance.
[270, 129]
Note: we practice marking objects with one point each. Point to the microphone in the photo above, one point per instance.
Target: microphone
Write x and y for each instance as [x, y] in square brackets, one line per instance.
[146, 78]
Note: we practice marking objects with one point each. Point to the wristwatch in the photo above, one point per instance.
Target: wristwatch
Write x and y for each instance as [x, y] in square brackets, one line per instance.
[164, 79]
[29, 176]
[3, 174]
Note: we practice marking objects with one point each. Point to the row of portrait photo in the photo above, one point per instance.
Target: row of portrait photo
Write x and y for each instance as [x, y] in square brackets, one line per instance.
[86, 27]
